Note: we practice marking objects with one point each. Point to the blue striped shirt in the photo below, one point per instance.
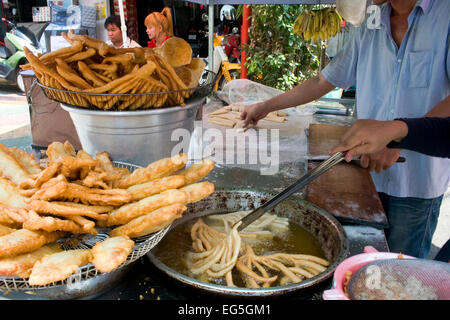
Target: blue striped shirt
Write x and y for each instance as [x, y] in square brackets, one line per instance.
[403, 82]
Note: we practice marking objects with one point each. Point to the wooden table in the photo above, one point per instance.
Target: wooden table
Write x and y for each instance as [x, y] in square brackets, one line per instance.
[346, 190]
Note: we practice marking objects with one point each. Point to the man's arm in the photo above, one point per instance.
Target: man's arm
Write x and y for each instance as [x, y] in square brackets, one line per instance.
[305, 92]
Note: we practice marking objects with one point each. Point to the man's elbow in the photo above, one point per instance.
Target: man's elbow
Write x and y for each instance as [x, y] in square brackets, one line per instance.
[324, 83]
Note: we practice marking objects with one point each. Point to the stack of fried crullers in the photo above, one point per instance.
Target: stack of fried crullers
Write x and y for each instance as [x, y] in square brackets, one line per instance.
[104, 77]
[76, 194]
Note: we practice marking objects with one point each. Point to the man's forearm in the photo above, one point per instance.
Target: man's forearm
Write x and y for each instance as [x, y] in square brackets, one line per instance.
[441, 110]
[305, 92]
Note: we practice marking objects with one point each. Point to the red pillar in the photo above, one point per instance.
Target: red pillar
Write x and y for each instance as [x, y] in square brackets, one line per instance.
[246, 12]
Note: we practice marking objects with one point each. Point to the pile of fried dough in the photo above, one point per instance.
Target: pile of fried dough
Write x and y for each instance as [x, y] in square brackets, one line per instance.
[104, 77]
[76, 194]
[230, 116]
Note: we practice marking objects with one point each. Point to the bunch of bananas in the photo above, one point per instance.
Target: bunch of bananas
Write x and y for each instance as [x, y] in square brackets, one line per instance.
[318, 24]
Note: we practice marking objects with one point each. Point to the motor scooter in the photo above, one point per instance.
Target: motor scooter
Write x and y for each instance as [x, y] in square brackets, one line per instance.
[12, 55]
[226, 50]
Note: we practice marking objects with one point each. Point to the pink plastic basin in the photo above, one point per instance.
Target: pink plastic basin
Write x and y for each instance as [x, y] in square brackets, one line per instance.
[353, 264]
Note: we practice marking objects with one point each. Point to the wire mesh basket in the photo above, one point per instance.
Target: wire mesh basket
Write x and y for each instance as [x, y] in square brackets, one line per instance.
[132, 101]
[87, 272]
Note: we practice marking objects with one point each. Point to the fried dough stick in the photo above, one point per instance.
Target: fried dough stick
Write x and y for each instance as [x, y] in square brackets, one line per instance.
[72, 165]
[122, 59]
[35, 222]
[141, 191]
[87, 225]
[198, 191]
[133, 210]
[71, 75]
[166, 66]
[100, 76]
[23, 240]
[110, 68]
[71, 209]
[68, 166]
[145, 86]
[77, 46]
[151, 222]
[111, 253]
[197, 171]
[154, 170]
[81, 55]
[246, 263]
[4, 230]
[73, 192]
[90, 75]
[41, 68]
[170, 79]
[295, 267]
[94, 179]
[10, 195]
[42, 177]
[96, 209]
[84, 155]
[22, 264]
[139, 54]
[10, 167]
[12, 217]
[103, 174]
[105, 164]
[27, 160]
[102, 48]
[113, 197]
[143, 72]
[220, 259]
[51, 189]
[59, 189]
[57, 150]
[58, 266]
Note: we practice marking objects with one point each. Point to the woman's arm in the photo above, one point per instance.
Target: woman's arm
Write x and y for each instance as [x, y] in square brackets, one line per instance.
[430, 136]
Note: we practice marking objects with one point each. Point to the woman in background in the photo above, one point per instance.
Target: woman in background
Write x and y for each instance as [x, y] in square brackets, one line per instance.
[159, 27]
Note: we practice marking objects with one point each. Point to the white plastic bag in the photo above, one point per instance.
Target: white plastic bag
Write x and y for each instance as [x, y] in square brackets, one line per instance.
[244, 91]
[353, 11]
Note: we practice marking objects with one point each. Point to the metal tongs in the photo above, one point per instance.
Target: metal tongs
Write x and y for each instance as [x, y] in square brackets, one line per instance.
[296, 186]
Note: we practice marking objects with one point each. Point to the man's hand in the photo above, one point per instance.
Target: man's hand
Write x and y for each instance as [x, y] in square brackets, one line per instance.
[253, 113]
[381, 160]
[305, 92]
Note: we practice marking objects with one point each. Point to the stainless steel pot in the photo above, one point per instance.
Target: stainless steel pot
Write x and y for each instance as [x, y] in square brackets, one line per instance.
[322, 225]
[139, 137]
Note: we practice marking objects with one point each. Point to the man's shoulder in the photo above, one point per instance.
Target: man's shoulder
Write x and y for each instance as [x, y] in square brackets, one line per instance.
[439, 5]
[438, 10]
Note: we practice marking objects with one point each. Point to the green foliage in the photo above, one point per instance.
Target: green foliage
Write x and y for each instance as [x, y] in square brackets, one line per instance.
[275, 55]
[239, 11]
